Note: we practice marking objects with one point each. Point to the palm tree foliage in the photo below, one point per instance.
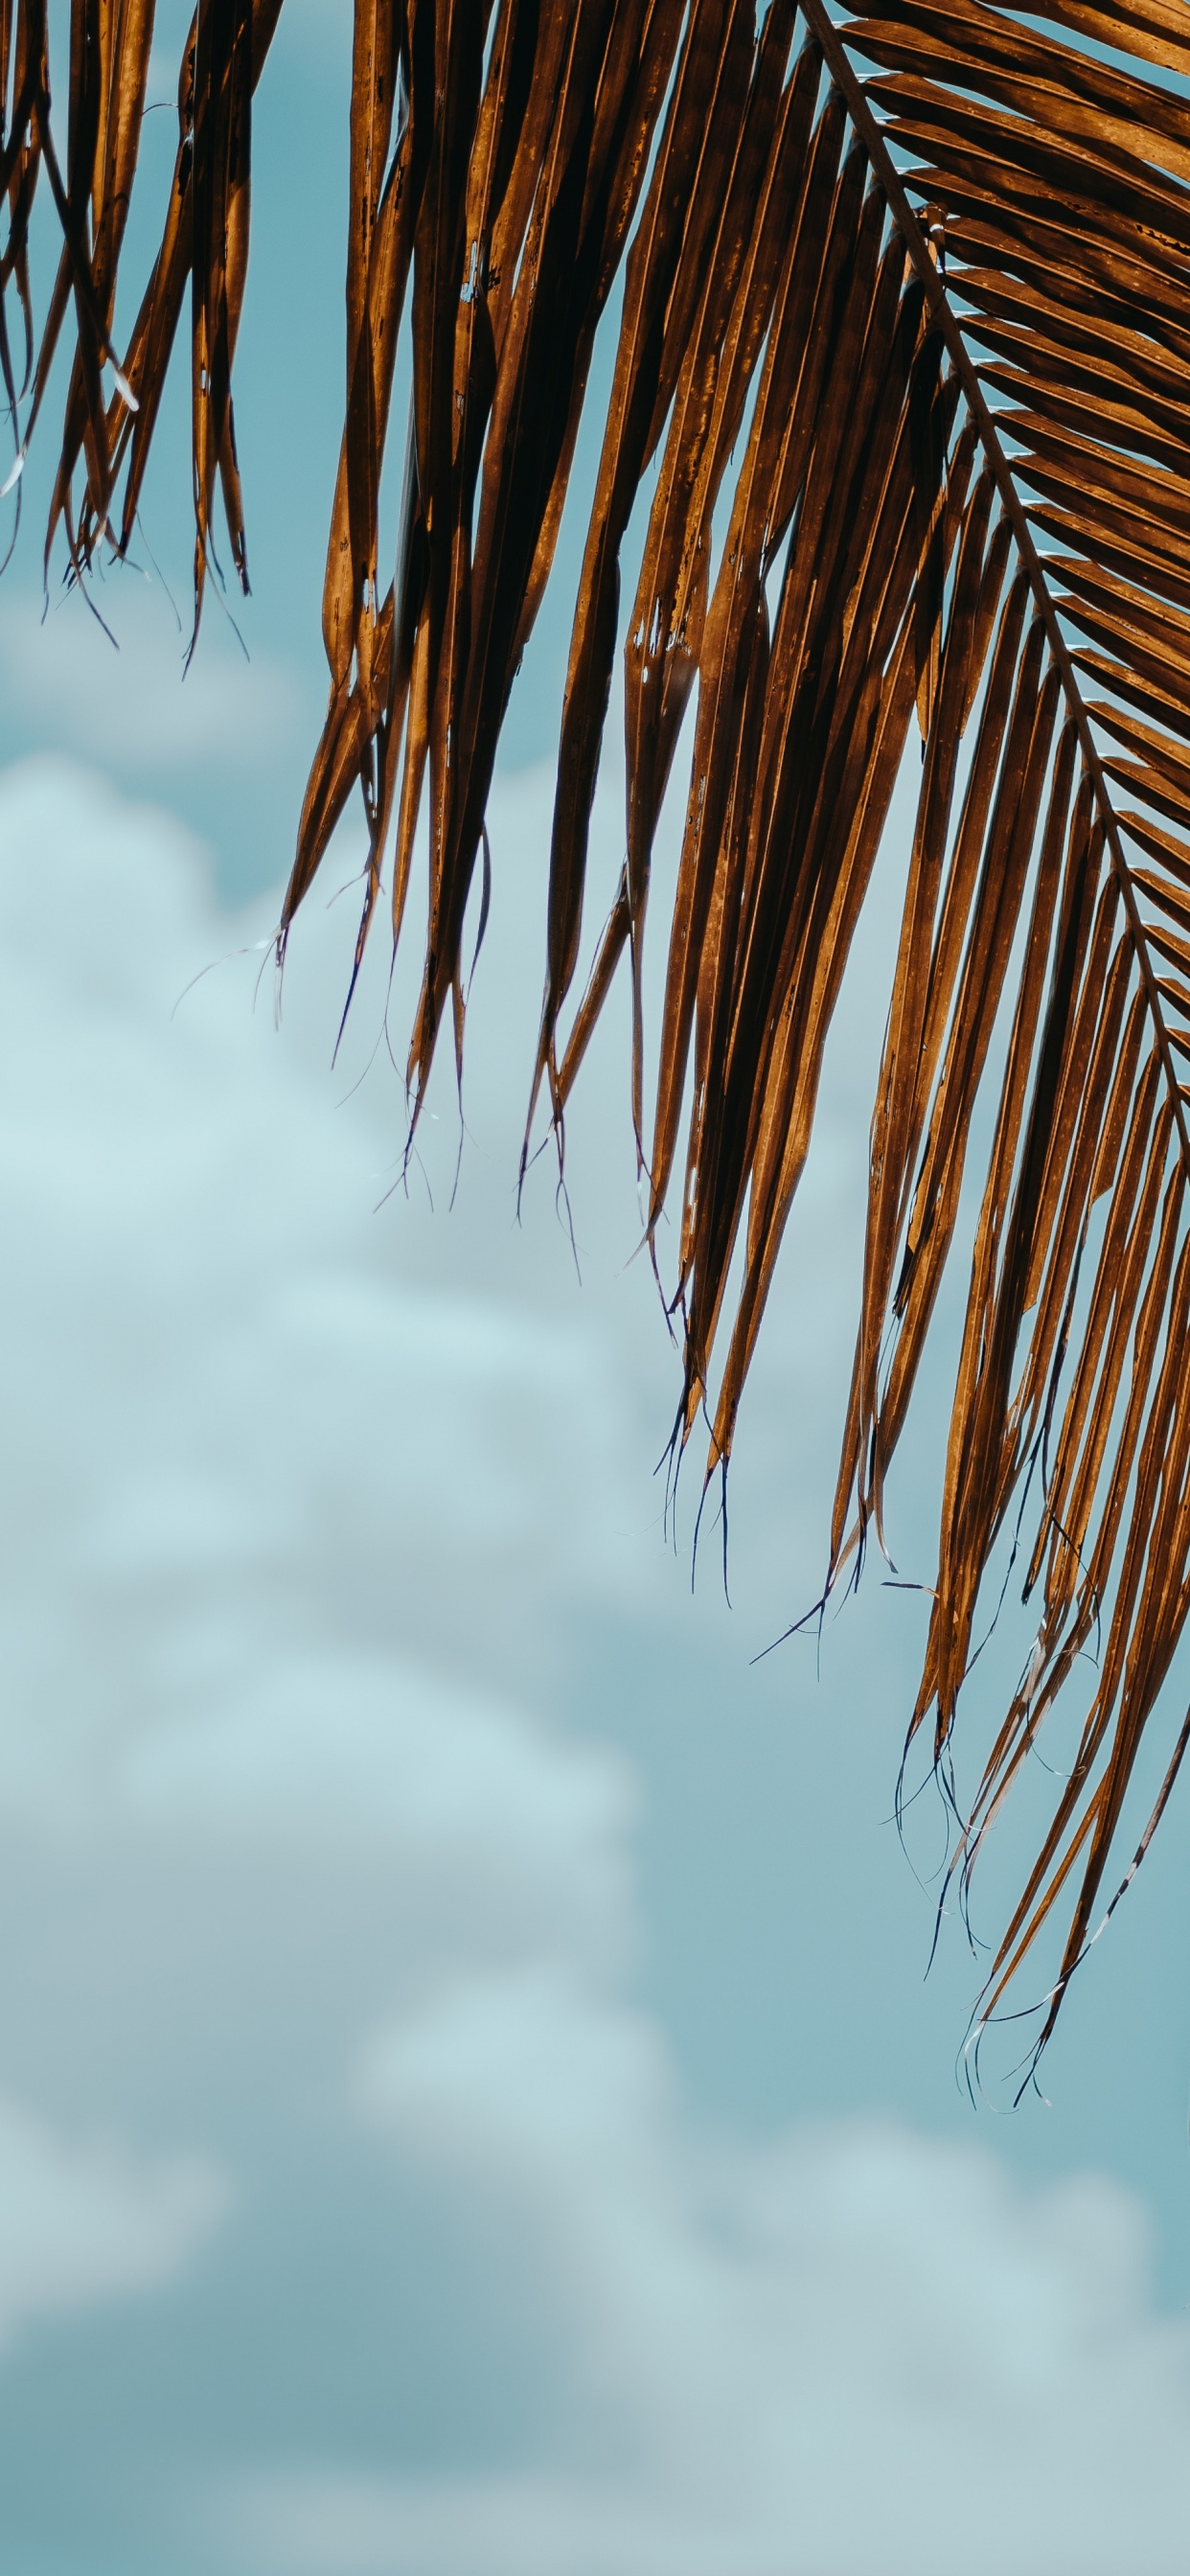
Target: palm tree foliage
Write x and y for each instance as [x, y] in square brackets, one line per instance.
[906, 321]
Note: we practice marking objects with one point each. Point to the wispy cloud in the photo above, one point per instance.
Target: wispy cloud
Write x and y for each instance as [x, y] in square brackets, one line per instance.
[82, 2223]
[124, 697]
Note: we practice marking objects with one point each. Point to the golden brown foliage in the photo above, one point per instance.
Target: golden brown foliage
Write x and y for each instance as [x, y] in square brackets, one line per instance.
[907, 298]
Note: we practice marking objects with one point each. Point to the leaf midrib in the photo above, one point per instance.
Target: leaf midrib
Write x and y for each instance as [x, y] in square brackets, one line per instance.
[850, 86]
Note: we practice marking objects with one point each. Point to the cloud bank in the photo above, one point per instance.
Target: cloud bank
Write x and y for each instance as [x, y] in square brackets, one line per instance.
[308, 1514]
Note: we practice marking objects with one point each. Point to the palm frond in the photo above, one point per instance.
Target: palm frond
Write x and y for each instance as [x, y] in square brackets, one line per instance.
[906, 309]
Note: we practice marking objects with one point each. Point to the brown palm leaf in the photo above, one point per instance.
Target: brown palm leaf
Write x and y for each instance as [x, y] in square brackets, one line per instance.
[906, 300]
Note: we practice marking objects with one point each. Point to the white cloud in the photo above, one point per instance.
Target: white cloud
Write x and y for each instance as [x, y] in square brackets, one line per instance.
[124, 695]
[384, 1753]
[498, 1833]
[856, 2348]
[81, 2223]
[246, 1429]
[304, 1508]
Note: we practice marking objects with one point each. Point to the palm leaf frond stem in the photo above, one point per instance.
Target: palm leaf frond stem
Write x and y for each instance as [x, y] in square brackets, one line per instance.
[835, 56]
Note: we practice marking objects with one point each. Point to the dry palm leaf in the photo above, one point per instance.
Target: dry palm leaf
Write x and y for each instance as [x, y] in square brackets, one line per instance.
[906, 310]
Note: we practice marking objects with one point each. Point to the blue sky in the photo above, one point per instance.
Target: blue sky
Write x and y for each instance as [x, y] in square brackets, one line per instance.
[468, 2096]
